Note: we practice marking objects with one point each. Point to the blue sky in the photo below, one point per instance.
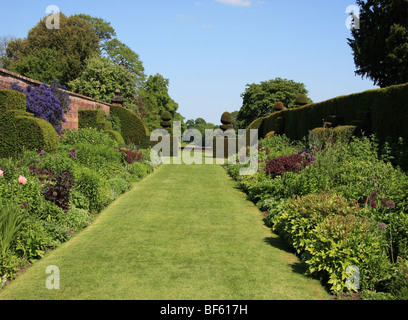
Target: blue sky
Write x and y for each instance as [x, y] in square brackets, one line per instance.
[211, 49]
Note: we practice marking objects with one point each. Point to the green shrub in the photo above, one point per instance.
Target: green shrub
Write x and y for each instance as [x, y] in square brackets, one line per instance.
[90, 135]
[116, 136]
[96, 156]
[118, 186]
[342, 241]
[77, 218]
[93, 187]
[12, 100]
[139, 170]
[26, 133]
[33, 239]
[303, 214]
[133, 129]
[226, 118]
[91, 119]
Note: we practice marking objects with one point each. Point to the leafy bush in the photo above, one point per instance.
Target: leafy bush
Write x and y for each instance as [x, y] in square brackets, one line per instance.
[118, 186]
[58, 189]
[303, 214]
[93, 187]
[139, 170]
[341, 241]
[283, 164]
[132, 156]
[92, 136]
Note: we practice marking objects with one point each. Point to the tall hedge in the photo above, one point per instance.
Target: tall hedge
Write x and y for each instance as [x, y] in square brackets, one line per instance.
[133, 129]
[19, 130]
[382, 112]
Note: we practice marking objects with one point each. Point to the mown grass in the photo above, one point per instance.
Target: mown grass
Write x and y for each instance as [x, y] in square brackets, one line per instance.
[183, 233]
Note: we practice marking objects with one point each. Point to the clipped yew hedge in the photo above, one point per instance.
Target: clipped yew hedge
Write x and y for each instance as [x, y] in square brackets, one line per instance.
[91, 119]
[382, 112]
[133, 129]
[21, 130]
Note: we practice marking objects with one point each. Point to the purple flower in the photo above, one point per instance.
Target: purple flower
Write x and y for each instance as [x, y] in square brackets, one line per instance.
[374, 205]
[41, 153]
[39, 160]
[388, 203]
[382, 225]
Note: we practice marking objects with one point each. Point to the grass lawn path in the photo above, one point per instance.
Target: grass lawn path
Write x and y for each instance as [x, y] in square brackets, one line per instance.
[186, 233]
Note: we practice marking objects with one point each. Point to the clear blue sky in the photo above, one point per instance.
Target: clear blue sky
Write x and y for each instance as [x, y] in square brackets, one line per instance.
[211, 49]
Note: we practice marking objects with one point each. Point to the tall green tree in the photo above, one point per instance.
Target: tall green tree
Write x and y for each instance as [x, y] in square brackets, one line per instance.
[74, 42]
[154, 99]
[380, 44]
[110, 47]
[259, 99]
[101, 78]
[43, 65]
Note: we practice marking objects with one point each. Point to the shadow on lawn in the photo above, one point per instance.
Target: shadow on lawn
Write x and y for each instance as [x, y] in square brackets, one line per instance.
[297, 267]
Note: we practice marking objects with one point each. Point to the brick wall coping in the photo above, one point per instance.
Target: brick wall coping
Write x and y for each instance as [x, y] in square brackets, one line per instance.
[35, 82]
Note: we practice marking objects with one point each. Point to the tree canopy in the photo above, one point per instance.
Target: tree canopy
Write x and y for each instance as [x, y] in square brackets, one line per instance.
[72, 44]
[101, 78]
[154, 98]
[259, 99]
[380, 44]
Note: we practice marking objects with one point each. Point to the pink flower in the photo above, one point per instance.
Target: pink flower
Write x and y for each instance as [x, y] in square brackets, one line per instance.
[22, 180]
[1, 173]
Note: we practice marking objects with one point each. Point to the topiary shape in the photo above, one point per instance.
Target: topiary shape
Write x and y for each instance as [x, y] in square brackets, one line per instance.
[301, 100]
[166, 116]
[226, 120]
[166, 123]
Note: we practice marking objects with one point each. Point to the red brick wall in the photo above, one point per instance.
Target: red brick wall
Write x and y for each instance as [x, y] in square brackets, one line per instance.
[78, 102]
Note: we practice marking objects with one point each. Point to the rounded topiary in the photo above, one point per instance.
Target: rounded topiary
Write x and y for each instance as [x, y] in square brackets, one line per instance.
[301, 100]
[166, 116]
[226, 118]
[279, 106]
